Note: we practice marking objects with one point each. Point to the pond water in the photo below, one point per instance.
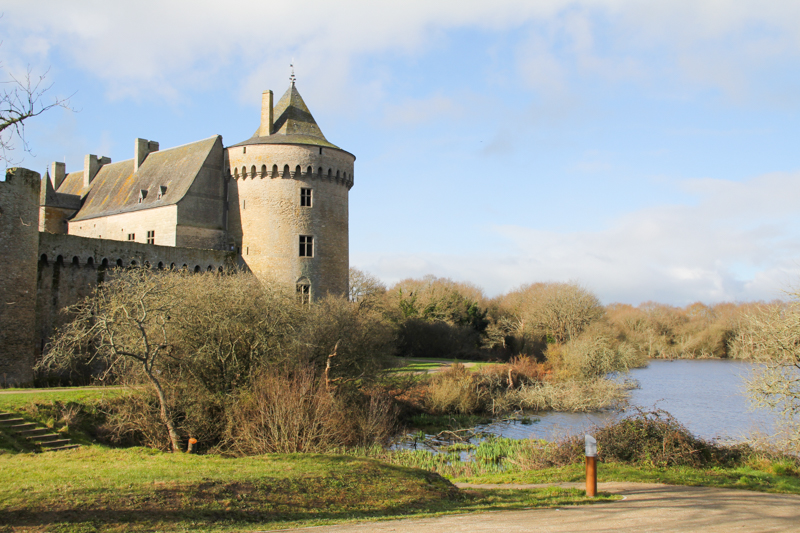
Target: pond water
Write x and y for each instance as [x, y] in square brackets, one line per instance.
[706, 396]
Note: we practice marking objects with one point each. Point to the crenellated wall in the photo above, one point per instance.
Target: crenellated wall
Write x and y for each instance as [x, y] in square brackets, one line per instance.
[69, 267]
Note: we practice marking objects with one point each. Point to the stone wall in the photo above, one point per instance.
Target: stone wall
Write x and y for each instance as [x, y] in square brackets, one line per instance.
[69, 267]
[19, 236]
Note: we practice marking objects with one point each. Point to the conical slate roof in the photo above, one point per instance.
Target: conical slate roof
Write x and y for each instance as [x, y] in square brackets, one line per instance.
[294, 124]
[292, 116]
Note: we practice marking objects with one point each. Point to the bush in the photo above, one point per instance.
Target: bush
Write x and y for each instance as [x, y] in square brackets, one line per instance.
[454, 391]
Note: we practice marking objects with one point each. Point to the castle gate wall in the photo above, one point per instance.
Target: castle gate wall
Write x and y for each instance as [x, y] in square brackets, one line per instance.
[19, 237]
[70, 267]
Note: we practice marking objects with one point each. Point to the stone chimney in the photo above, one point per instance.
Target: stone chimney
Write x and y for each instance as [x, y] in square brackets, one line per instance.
[266, 114]
[91, 165]
[58, 171]
[142, 149]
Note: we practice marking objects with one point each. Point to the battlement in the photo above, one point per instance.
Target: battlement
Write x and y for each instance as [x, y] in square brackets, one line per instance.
[332, 175]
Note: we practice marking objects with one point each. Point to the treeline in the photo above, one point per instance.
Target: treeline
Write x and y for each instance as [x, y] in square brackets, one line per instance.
[438, 317]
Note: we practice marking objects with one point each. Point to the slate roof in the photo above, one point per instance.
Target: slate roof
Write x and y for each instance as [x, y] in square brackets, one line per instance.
[50, 198]
[293, 124]
[116, 187]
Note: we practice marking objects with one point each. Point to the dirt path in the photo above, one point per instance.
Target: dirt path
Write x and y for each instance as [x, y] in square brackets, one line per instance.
[646, 508]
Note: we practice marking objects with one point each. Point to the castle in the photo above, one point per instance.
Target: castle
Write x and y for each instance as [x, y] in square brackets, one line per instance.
[276, 204]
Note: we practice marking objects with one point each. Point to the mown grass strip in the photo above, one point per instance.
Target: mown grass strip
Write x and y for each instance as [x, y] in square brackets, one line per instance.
[139, 489]
[741, 477]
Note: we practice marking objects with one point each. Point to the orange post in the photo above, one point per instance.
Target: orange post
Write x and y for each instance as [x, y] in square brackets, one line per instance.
[591, 477]
[591, 466]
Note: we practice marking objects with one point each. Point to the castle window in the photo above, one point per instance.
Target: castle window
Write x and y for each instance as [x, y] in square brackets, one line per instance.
[131, 236]
[161, 192]
[303, 293]
[306, 246]
[320, 150]
[244, 149]
[151, 237]
[142, 195]
[263, 171]
[305, 197]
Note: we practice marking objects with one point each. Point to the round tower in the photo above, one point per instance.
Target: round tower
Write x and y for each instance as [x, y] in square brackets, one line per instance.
[288, 200]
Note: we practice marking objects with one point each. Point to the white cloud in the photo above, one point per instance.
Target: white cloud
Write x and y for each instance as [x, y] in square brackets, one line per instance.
[165, 48]
[673, 254]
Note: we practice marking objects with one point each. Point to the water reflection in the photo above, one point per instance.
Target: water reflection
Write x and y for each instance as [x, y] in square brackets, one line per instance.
[706, 396]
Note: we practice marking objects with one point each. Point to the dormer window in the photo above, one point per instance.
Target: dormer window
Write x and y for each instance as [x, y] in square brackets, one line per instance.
[161, 192]
[142, 195]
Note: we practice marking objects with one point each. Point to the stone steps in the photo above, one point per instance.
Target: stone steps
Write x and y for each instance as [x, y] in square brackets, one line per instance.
[37, 435]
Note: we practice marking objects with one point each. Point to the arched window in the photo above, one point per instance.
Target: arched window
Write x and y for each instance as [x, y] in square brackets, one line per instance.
[303, 291]
[263, 171]
[236, 173]
[76, 261]
[60, 260]
[298, 171]
[253, 172]
[309, 171]
[210, 268]
[160, 265]
[244, 172]
[286, 171]
[274, 171]
[196, 269]
[90, 262]
[43, 259]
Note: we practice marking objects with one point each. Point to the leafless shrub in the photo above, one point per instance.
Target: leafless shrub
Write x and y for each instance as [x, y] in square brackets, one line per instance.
[454, 390]
[287, 412]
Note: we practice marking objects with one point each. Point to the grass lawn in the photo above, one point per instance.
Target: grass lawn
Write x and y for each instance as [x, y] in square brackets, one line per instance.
[15, 400]
[769, 478]
[139, 489]
[422, 365]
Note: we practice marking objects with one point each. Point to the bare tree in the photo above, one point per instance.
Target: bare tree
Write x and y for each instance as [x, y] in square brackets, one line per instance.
[125, 325]
[364, 286]
[560, 310]
[22, 99]
[772, 336]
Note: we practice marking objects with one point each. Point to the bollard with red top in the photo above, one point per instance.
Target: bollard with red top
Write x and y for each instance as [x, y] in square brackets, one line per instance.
[591, 466]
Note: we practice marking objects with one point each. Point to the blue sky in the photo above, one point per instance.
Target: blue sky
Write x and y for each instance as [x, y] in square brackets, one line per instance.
[646, 149]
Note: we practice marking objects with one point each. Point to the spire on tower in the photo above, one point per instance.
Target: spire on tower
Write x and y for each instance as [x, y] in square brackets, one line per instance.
[292, 78]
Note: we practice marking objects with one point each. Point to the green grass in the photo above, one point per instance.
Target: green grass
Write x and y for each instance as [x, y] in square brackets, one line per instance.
[50, 408]
[138, 489]
[741, 477]
[15, 400]
[419, 364]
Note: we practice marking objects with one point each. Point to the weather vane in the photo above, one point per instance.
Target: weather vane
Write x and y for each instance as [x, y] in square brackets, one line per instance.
[292, 78]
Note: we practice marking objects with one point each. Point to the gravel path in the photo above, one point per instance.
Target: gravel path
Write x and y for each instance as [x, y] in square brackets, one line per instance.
[647, 507]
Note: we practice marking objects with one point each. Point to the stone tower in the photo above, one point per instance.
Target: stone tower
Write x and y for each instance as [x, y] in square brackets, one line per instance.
[19, 246]
[288, 200]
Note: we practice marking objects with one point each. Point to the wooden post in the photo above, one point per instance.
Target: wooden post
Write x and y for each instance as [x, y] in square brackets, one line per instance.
[591, 466]
[591, 477]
